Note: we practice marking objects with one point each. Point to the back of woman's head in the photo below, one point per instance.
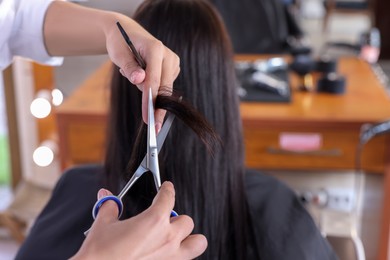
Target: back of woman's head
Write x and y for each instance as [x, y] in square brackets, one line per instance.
[209, 187]
[194, 31]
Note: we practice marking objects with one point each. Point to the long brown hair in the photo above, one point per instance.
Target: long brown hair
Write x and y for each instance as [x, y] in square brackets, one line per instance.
[209, 188]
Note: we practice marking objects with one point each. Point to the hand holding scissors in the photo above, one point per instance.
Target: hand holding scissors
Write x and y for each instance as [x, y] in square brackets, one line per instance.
[150, 233]
[149, 163]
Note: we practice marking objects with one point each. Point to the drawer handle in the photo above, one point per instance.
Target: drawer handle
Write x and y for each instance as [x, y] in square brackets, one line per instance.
[330, 152]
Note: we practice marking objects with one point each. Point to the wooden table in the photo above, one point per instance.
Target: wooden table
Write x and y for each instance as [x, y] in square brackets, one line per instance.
[335, 120]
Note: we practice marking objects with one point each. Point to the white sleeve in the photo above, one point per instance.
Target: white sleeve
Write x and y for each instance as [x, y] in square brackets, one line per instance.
[26, 38]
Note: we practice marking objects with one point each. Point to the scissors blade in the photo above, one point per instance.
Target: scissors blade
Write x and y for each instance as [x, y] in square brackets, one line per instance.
[164, 131]
[151, 142]
[138, 173]
[142, 168]
[162, 135]
[152, 152]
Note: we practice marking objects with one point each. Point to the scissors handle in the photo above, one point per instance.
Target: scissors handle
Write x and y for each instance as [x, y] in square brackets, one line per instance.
[119, 203]
[99, 203]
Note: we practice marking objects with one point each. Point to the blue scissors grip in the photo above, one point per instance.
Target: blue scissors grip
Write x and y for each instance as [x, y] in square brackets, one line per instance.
[174, 214]
[100, 202]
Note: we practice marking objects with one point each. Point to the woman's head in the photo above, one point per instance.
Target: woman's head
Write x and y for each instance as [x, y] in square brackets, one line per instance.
[209, 188]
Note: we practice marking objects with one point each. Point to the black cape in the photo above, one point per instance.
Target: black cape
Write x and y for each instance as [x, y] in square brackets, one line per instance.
[283, 229]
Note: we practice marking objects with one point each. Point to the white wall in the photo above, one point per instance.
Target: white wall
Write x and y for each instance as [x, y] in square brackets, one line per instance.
[27, 124]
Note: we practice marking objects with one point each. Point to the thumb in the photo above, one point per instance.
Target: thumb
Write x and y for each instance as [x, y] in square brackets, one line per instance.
[103, 193]
[133, 72]
[164, 201]
[108, 212]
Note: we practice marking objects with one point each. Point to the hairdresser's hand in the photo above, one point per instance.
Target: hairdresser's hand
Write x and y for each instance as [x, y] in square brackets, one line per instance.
[149, 235]
[71, 29]
[162, 65]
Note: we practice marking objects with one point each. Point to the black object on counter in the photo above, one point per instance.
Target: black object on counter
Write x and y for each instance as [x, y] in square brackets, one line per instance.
[332, 83]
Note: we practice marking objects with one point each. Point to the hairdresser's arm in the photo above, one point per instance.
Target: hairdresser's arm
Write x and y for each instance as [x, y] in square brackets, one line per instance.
[149, 235]
[71, 29]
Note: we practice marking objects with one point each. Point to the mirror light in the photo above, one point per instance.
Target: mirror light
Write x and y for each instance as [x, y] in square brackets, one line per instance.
[57, 97]
[40, 107]
[44, 155]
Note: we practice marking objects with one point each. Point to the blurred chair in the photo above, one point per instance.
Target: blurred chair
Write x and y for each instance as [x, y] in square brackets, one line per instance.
[262, 26]
[363, 7]
[29, 200]
[347, 248]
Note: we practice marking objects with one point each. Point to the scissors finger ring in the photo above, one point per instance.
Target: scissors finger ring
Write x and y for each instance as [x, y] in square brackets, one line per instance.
[100, 203]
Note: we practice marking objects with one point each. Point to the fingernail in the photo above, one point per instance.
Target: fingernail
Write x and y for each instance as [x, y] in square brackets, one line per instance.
[121, 72]
[158, 127]
[102, 193]
[169, 186]
[133, 76]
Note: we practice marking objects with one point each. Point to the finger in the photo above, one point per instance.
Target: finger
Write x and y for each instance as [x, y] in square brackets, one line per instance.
[193, 246]
[183, 225]
[108, 212]
[103, 193]
[154, 61]
[170, 71]
[132, 71]
[164, 201]
[159, 115]
[137, 77]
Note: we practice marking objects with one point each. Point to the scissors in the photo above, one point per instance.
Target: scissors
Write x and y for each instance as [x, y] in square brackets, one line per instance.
[149, 162]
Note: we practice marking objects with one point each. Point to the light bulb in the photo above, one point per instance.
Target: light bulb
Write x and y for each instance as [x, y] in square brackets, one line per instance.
[44, 155]
[57, 97]
[40, 107]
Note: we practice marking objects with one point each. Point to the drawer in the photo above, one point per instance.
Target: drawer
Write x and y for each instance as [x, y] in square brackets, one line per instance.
[82, 142]
[86, 143]
[337, 150]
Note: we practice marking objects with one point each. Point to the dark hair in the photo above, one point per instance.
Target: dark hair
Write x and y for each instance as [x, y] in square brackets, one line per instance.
[210, 189]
